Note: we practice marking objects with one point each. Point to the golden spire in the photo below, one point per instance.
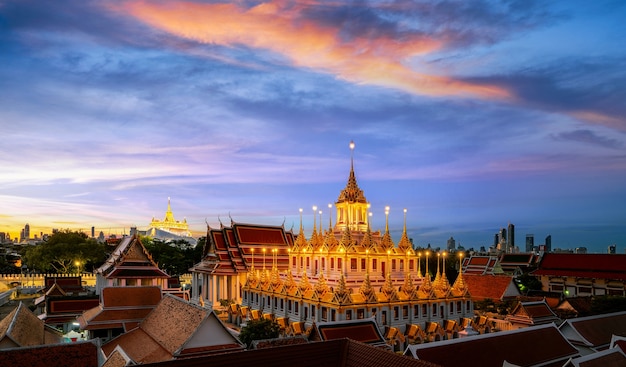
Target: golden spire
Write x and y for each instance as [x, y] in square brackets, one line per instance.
[438, 274]
[290, 282]
[408, 286]
[321, 286]
[444, 284]
[341, 287]
[352, 193]
[169, 216]
[275, 280]
[304, 282]
[459, 283]
[387, 287]
[314, 239]
[346, 239]
[300, 242]
[368, 241]
[366, 288]
[404, 243]
[386, 241]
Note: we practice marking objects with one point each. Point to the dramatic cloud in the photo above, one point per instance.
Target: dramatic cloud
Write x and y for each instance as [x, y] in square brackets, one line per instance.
[470, 114]
[371, 58]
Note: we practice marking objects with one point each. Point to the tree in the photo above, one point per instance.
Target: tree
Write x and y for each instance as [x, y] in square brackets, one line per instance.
[259, 330]
[527, 282]
[175, 257]
[66, 252]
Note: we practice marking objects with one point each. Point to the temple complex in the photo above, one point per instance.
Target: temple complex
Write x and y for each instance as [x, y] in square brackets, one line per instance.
[344, 272]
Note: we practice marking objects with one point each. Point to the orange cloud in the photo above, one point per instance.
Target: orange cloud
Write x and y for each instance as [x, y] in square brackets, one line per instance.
[281, 29]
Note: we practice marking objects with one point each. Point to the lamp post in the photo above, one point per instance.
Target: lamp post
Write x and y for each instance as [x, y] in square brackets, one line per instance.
[264, 249]
[387, 218]
[330, 216]
[444, 261]
[252, 249]
[419, 264]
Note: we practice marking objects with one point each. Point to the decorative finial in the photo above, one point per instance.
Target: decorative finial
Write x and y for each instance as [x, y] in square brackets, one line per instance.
[351, 155]
[387, 219]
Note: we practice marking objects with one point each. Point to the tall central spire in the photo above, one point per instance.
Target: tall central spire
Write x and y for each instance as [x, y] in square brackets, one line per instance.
[352, 205]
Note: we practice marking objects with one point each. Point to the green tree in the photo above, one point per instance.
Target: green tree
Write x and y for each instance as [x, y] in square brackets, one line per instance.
[175, 257]
[259, 330]
[66, 252]
[527, 282]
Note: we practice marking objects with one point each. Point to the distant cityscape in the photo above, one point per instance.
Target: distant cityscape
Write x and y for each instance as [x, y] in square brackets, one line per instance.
[504, 241]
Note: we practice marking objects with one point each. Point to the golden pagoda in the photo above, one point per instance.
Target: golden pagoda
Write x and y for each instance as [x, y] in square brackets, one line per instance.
[169, 224]
[347, 272]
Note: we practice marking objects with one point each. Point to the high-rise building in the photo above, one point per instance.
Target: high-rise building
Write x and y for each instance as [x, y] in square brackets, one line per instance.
[612, 249]
[511, 238]
[549, 243]
[26, 231]
[451, 244]
[530, 242]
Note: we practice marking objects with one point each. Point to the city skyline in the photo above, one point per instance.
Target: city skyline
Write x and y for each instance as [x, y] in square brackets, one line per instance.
[469, 115]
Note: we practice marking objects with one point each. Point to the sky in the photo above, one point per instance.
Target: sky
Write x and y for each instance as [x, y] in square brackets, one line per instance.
[469, 114]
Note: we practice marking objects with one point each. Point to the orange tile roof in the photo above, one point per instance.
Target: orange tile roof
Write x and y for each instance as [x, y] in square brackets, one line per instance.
[547, 344]
[494, 287]
[175, 328]
[22, 328]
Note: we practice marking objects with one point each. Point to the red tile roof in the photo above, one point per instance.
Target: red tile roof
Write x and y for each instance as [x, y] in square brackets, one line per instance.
[598, 266]
[332, 353]
[84, 354]
[538, 345]
[606, 358]
[533, 313]
[231, 250]
[595, 331]
[364, 331]
[479, 264]
[121, 307]
[494, 287]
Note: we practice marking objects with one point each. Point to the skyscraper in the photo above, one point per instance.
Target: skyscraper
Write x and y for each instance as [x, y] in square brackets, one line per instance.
[549, 243]
[451, 244]
[511, 238]
[26, 231]
[530, 242]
